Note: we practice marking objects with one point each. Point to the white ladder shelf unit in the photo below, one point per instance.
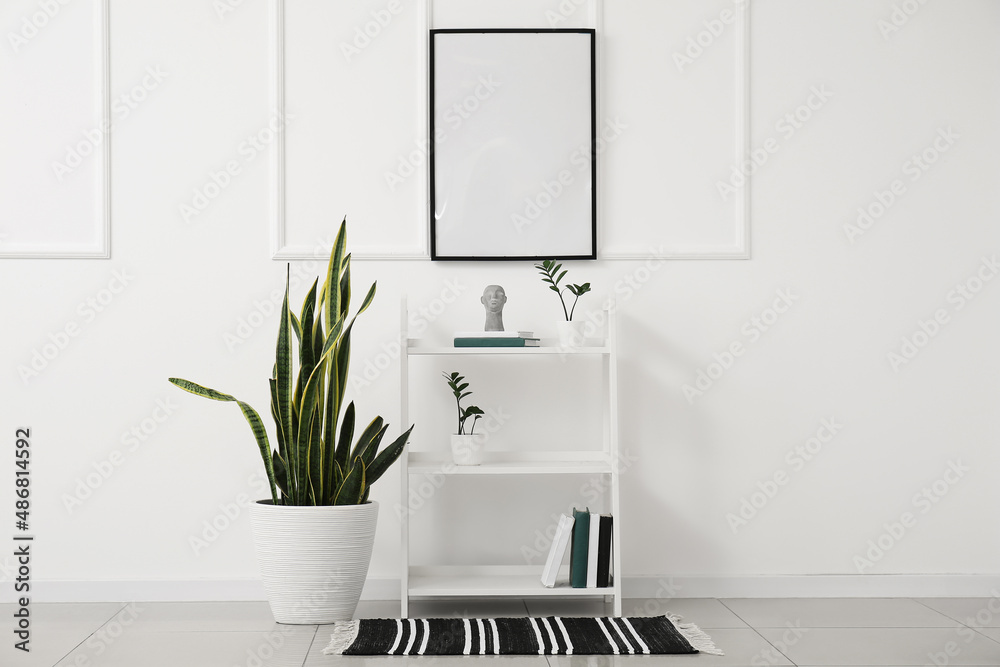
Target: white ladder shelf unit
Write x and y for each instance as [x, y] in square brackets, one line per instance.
[438, 581]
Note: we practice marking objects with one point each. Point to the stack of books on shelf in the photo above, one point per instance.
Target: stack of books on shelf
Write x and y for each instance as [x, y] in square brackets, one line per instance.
[495, 339]
[588, 538]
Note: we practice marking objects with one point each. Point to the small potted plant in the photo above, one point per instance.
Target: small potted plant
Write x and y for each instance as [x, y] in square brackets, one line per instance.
[314, 535]
[570, 332]
[466, 448]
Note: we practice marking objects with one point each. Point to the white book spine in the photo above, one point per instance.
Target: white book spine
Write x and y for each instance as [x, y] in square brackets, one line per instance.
[557, 551]
[593, 548]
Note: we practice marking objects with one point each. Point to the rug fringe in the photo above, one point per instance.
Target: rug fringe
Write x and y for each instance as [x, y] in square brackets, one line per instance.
[344, 634]
[695, 636]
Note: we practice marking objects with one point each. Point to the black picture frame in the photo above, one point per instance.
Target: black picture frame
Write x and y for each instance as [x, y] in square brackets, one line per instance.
[539, 139]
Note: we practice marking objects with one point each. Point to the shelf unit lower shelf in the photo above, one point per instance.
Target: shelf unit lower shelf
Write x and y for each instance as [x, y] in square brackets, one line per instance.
[492, 581]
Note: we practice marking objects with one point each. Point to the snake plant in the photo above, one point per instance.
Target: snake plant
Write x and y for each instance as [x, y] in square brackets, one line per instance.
[314, 463]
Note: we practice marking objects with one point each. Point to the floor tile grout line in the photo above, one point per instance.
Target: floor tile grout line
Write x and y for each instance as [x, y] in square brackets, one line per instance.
[869, 627]
[305, 658]
[93, 632]
[981, 634]
[938, 611]
[941, 613]
[769, 643]
[889, 627]
[755, 629]
[974, 628]
[732, 611]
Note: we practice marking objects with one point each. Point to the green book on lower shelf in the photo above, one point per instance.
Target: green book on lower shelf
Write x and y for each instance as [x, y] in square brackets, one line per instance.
[578, 551]
[496, 342]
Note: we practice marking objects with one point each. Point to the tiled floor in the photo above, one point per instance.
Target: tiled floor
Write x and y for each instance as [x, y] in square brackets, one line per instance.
[752, 632]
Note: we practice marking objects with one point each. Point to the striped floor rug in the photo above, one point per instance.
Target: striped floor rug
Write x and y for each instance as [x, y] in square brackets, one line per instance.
[551, 635]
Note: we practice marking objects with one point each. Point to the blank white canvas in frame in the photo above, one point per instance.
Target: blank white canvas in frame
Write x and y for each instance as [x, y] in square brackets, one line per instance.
[512, 124]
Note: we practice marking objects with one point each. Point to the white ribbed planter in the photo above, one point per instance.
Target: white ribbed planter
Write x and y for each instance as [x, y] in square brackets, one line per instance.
[468, 450]
[313, 560]
[571, 333]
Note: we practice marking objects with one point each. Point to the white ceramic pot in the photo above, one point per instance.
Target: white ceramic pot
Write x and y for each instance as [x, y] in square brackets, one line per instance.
[571, 334]
[467, 450]
[313, 560]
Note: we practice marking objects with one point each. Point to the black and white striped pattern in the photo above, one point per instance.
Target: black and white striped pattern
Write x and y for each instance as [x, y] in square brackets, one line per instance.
[550, 635]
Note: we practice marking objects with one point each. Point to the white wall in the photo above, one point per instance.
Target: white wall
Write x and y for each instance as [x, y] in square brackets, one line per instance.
[191, 283]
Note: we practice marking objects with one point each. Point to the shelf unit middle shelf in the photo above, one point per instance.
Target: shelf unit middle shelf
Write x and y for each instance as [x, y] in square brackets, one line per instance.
[421, 463]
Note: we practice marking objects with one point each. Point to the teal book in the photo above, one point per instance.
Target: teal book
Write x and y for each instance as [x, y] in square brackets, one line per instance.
[578, 550]
[496, 342]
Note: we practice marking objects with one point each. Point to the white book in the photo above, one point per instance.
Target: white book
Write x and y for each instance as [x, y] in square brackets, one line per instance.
[557, 552]
[494, 334]
[593, 548]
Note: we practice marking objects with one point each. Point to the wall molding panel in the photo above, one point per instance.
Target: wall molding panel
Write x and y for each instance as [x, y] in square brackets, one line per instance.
[288, 242]
[58, 181]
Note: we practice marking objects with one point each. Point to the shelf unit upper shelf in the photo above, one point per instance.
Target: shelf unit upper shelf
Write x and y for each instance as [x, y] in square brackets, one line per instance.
[416, 347]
